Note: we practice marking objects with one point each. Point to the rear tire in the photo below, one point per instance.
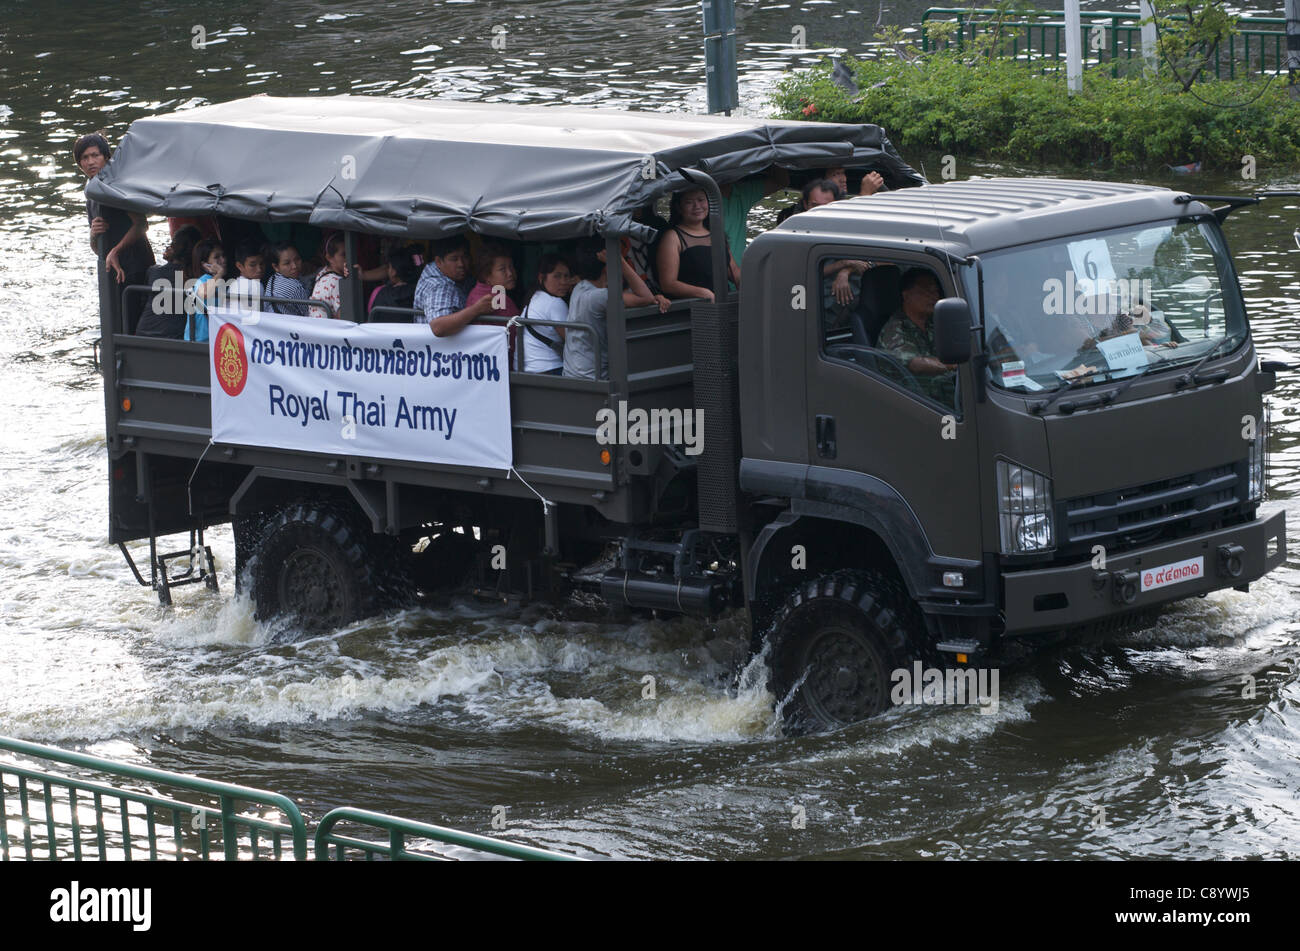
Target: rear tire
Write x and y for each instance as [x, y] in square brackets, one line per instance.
[314, 567]
[835, 644]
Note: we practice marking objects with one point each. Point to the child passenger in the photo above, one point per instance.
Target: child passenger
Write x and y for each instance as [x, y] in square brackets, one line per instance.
[246, 290]
[586, 353]
[210, 262]
[328, 280]
[285, 279]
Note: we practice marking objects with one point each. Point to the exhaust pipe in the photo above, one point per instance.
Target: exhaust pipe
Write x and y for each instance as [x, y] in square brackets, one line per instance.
[637, 590]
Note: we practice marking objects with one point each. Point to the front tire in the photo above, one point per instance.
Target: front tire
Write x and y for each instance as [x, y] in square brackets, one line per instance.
[835, 644]
[313, 567]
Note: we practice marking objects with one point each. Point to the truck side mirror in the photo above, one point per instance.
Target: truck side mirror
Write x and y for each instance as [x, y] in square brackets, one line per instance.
[952, 326]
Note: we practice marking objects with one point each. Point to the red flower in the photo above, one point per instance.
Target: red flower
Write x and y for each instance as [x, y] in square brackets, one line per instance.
[809, 109]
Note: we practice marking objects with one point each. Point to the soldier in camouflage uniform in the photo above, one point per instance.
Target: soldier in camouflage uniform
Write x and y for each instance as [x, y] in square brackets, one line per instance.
[912, 343]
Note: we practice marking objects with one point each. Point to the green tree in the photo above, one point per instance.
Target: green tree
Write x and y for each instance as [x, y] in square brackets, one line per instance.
[1188, 35]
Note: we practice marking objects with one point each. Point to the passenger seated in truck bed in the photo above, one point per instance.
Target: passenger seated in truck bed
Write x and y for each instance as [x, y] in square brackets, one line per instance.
[685, 254]
[246, 290]
[496, 280]
[544, 346]
[819, 191]
[403, 274]
[872, 182]
[443, 291]
[329, 278]
[586, 354]
[169, 321]
[285, 279]
[210, 263]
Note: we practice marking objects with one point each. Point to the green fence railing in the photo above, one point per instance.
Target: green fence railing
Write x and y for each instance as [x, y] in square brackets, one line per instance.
[55, 816]
[411, 841]
[1038, 36]
[48, 815]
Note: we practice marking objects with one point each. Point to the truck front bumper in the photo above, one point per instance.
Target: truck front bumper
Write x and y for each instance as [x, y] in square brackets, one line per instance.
[1059, 598]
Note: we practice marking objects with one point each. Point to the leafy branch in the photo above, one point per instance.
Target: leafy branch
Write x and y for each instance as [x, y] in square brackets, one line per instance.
[1188, 38]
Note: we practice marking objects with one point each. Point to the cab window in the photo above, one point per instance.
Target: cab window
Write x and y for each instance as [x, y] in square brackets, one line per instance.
[878, 315]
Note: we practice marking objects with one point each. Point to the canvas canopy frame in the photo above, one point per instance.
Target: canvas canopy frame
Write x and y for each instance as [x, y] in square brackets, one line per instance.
[432, 168]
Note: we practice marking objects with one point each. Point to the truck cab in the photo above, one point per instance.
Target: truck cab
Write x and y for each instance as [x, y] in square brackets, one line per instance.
[1094, 451]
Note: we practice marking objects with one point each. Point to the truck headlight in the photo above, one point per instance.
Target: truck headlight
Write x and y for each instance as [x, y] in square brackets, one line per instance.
[1258, 461]
[1024, 510]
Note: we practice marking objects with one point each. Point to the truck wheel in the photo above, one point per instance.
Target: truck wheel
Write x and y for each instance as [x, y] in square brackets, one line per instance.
[313, 566]
[835, 643]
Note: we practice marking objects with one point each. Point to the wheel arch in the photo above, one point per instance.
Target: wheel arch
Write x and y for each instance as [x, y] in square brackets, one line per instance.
[827, 544]
[265, 489]
[870, 518]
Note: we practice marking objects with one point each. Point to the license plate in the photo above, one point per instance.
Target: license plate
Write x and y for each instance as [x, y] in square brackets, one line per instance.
[1175, 572]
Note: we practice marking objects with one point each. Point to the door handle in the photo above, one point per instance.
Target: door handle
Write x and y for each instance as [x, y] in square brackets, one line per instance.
[826, 437]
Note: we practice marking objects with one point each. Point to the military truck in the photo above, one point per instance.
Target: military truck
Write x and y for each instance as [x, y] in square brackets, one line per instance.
[1078, 439]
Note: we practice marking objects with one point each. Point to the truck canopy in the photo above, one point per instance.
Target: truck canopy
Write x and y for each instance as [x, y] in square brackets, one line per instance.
[427, 169]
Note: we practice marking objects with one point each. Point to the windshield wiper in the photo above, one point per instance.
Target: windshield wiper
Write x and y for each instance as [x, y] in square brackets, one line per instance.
[1062, 388]
[1113, 395]
[1190, 377]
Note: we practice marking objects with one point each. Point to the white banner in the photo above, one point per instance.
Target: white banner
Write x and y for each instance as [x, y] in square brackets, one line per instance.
[391, 391]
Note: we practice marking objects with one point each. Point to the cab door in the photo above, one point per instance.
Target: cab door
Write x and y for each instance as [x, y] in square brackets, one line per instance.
[867, 415]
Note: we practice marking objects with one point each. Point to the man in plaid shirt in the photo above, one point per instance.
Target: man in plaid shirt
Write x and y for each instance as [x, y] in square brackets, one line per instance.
[443, 287]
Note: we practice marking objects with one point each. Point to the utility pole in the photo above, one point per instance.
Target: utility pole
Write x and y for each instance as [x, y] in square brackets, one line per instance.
[1293, 47]
[1073, 48]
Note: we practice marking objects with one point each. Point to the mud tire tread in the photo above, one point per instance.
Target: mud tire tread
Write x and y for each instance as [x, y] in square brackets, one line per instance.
[883, 610]
[345, 545]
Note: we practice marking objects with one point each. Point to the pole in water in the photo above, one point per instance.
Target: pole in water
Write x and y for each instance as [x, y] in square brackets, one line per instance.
[720, 55]
[1293, 47]
[1073, 48]
[1149, 59]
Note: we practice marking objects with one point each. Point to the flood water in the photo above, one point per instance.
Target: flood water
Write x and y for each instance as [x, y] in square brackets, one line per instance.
[440, 715]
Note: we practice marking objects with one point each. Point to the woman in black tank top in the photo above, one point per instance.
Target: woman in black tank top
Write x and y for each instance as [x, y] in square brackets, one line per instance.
[685, 255]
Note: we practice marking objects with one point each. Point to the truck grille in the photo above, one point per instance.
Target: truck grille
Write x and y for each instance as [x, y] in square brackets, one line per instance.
[1143, 513]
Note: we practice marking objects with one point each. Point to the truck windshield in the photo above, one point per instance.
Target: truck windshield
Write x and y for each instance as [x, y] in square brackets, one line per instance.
[1107, 305]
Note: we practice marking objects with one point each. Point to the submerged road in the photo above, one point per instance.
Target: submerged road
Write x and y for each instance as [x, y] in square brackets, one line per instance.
[1182, 741]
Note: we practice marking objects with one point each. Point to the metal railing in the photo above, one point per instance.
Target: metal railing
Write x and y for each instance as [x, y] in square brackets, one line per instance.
[46, 815]
[495, 321]
[54, 816]
[331, 846]
[1036, 36]
[251, 303]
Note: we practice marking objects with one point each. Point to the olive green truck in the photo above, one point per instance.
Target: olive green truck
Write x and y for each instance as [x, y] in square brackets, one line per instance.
[1084, 444]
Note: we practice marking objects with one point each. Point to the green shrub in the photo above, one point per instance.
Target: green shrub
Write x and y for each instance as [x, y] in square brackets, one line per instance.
[1004, 110]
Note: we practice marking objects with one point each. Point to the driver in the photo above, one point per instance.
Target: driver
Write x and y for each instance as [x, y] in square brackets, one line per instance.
[908, 336]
